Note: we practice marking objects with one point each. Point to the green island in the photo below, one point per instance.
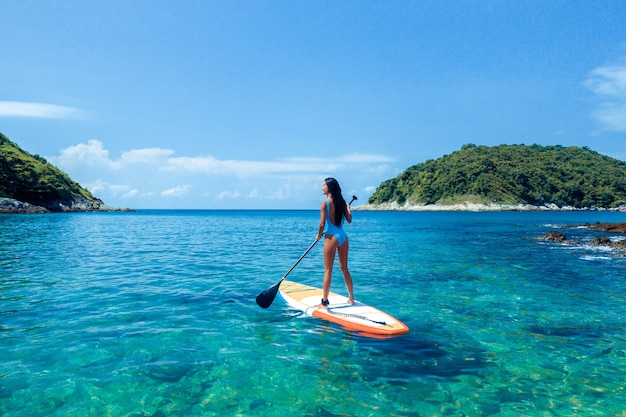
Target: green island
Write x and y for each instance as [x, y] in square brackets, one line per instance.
[507, 177]
[30, 184]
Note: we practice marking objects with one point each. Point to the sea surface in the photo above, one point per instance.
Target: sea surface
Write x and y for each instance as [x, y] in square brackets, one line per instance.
[153, 313]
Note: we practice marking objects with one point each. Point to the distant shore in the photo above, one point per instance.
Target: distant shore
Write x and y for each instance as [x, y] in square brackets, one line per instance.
[12, 206]
[394, 206]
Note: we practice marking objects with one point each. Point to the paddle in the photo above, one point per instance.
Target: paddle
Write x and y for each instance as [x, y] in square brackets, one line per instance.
[266, 298]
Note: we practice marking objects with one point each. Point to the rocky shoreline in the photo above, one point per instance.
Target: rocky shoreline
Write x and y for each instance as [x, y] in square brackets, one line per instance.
[12, 206]
[467, 206]
[559, 237]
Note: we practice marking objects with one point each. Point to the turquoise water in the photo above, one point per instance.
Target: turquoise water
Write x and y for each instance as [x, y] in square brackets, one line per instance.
[153, 314]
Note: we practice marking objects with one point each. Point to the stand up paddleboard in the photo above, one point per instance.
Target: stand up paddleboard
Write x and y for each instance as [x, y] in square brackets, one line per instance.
[358, 316]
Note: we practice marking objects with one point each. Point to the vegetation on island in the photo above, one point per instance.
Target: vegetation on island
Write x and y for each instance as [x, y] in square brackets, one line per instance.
[511, 174]
[31, 179]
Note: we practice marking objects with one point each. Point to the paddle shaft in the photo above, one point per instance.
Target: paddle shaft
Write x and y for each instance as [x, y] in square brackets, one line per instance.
[299, 259]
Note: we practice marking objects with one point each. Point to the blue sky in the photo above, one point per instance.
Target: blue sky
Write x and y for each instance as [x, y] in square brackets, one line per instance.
[251, 104]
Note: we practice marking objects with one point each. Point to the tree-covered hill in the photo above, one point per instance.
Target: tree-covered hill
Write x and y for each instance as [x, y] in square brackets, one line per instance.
[511, 174]
[31, 179]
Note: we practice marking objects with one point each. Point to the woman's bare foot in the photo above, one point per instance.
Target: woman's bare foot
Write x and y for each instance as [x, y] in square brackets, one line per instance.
[351, 300]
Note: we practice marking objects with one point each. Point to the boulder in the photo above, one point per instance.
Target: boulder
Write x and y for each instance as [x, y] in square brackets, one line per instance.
[555, 237]
[9, 205]
[601, 241]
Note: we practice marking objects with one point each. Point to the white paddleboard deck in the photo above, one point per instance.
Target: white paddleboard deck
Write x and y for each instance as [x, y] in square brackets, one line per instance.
[358, 316]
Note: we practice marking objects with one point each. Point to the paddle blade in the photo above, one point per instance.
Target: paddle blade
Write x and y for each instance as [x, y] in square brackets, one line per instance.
[266, 298]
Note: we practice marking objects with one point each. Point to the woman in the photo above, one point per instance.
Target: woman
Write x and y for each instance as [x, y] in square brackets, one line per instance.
[332, 212]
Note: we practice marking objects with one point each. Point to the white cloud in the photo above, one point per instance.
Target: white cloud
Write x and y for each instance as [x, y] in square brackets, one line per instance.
[177, 191]
[240, 168]
[145, 156]
[96, 186]
[93, 153]
[99, 186]
[38, 110]
[90, 153]
[612, 116]
[149, 177]
[228, 195]
[609, 84]
[344, 159]
[254, 194]
[609, 81]
[381, 169]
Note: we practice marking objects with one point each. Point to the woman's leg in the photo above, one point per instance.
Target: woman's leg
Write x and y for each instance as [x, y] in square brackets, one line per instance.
[330, 247]
[343, 264]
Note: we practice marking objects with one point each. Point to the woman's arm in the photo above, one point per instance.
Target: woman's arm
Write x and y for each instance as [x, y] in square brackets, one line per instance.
[348, 214]
[320, 231]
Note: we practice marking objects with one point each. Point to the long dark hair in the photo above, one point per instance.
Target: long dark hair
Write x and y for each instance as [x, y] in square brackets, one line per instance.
[340, 204]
